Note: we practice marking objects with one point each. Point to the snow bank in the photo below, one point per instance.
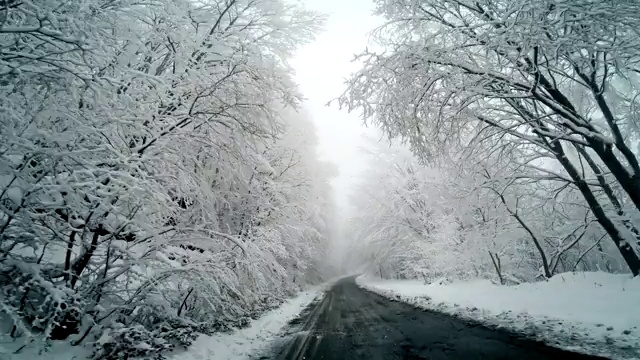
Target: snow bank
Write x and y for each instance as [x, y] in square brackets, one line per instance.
[241, 344]
[58, 350]
[597, 313]
[250, 341]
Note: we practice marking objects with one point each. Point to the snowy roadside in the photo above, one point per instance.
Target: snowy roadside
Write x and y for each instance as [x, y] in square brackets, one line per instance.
[252, 340]
[240, 344]
[595, 313]
[58, 350]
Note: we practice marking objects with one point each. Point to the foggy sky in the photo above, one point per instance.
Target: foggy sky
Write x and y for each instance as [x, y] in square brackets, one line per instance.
[321, 68]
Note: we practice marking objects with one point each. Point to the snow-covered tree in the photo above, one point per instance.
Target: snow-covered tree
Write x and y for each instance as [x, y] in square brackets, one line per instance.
[413, 220]
[549, 87]
[149, 186]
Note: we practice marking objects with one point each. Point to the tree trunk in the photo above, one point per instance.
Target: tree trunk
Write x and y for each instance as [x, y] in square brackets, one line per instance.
[540, 129]
[627, 252]
[609, 192]
[497, 266]
[536, 242]
[630, 183]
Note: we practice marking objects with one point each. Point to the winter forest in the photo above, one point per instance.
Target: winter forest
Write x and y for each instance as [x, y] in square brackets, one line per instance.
[155, 178]
[159, 177]
[522, 121]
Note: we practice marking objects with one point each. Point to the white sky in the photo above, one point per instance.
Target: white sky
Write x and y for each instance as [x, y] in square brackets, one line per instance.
[321, 68]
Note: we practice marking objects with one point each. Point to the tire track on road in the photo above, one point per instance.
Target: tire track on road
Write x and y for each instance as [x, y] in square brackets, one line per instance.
[350, 323]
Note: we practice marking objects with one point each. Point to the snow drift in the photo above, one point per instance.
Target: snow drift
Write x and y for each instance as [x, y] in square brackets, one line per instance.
[592, 312]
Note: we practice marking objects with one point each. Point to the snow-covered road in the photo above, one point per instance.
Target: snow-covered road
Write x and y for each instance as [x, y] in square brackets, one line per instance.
[352, 323]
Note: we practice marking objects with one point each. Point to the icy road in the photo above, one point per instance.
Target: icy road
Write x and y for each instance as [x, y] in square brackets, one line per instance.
[352, 323]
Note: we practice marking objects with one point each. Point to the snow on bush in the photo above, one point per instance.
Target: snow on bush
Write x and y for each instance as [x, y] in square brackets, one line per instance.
[254, 340]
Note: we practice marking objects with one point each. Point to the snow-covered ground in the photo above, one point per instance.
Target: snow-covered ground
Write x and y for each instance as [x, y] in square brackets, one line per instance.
[245, 343]
[59, 350]
[240, 344]
[596, 313]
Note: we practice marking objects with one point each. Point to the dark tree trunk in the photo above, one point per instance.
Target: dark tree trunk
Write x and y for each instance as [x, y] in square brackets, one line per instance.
[627, 252]
[495, 259]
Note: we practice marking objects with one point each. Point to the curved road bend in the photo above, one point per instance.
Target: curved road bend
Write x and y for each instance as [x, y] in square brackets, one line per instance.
[351, 323]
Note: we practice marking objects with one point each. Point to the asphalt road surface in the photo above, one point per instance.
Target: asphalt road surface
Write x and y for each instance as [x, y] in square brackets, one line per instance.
[351, 323]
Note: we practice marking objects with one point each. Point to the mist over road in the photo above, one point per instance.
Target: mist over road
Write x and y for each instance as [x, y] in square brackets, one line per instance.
[352, 323]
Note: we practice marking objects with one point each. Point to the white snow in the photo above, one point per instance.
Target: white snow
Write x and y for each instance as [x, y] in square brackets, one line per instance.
[15, 195]
[59, 350]
[593, 312]
[240, 344]
[250, 341]
[264, 167]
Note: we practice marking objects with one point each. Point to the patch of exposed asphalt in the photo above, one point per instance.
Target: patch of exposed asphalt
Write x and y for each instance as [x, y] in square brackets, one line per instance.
[351, 323]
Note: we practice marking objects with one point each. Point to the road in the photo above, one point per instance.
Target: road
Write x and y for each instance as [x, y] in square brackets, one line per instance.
[351, 323]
